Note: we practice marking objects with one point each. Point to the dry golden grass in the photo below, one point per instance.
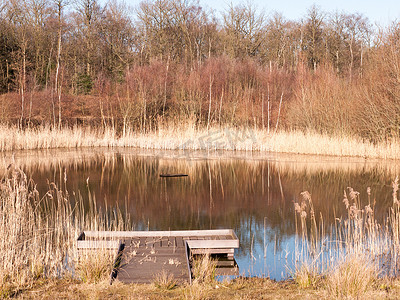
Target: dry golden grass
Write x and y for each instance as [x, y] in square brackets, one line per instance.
[95, 266]
[203, 269]
[306, 276]
[352, 277]
[189, 137]
[165, 281]
[242, 288]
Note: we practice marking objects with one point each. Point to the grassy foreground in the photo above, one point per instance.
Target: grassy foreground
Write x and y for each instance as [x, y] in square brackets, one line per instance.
[242, 288]
[187, 136]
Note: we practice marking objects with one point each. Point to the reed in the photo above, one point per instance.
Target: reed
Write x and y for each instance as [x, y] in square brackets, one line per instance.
[35, 238]
[38, 234]
[357, 252]
[187, 136]
[306, 276]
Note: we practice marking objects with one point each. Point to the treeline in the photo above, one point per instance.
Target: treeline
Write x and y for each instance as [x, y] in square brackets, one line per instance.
[167, 60]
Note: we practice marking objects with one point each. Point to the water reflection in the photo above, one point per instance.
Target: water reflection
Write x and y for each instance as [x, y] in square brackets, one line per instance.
[253, 194]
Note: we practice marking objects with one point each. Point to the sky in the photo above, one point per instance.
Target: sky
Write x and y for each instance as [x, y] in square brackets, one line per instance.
[380, 12]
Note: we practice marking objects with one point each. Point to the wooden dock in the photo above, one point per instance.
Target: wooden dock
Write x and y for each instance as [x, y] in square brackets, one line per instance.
[142, 255]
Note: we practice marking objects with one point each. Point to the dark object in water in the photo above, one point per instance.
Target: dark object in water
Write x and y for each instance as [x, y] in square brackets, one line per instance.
[173, 175]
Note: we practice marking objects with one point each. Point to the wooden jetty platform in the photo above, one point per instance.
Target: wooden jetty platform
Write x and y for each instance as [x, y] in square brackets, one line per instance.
[142, 255]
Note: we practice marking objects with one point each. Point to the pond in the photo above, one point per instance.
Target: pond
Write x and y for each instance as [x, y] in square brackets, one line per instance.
[252, 193]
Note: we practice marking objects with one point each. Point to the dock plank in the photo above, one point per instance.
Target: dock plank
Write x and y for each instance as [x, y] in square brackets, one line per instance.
[130, 234]
[229, 251]
[211, 244]
[179, 242]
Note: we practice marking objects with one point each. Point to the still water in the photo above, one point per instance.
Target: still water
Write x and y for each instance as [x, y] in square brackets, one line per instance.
[250, 193]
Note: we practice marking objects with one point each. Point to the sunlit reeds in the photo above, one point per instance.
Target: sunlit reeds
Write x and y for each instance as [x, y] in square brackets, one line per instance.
[186, 136]
[354, 252]
[38, 234]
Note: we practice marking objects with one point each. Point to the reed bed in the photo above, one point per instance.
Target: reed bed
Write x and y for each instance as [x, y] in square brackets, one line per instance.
[188, 136]
[352, 254]
[38, 234]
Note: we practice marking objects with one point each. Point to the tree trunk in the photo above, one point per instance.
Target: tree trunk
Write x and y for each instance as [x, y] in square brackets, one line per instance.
[57, 86]
[23, 81]
[209, 103]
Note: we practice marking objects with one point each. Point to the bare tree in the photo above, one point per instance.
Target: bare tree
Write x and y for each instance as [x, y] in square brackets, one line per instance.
[244, 29]
[281, 42]
[358, 30]
[60, 5]
[89, 12]
[155, 22]
[336, 39]
[348, 35]
[175, 29]
[117, 34]
[8, 46]
[18, 17]
[40, 13]
[313, 43]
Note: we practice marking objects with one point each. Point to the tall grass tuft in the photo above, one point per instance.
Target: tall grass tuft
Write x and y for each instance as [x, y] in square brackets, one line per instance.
[352, 277]
[306, 275]
[203, 269]
[165, 280]
[94, 266]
